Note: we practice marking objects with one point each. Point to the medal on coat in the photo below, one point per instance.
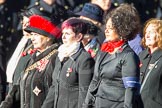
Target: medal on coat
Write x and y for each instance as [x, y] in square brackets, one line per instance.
[41, 65]
[36, 91]
[151, 66]
[69, 70]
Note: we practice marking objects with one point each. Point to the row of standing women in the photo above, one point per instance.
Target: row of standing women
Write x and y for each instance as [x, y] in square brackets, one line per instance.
[50, 75]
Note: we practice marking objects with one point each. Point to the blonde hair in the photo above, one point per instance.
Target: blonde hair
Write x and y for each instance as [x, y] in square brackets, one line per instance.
[158, 28]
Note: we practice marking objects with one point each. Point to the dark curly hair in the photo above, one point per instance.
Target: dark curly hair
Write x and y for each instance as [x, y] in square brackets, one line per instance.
[125, 20]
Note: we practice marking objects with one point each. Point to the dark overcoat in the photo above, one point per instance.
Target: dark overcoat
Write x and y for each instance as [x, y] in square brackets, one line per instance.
[151, 89]
[107, 88]
[71, 79]
[35, 83]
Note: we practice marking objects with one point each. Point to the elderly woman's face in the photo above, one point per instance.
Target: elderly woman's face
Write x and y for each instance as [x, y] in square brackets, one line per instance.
[39, 42]
[151, 36]
[69, 37]
[110, 32]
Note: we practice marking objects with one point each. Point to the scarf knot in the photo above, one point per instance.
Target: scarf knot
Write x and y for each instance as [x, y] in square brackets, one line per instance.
[111, 45]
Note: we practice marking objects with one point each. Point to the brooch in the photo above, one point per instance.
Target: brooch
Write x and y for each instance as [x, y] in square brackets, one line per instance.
[42, 64]
[69, 70]
[150, 66]
[36, 91]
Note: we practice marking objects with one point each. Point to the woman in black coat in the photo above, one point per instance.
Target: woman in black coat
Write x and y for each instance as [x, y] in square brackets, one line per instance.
[151, 65]
[74, 68]
[116, 74]
[36, 78]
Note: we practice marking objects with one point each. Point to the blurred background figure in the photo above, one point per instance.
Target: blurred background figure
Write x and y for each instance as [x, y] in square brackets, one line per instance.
[8, 23]
[135, 44]
[94, 14]
[104, 4]
[12, 19]
[72, 5]
[53, 10]
[90, 41]
[151, 65]
[146, 8]
[3, 32]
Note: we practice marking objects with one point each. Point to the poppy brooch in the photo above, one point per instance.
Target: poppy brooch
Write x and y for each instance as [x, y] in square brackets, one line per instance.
[30, 51]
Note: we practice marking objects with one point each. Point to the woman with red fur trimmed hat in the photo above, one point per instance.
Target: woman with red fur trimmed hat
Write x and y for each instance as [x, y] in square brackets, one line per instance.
[36, 78]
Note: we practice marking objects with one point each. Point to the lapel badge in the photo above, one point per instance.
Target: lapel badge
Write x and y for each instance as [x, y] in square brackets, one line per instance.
[151, 66]
[69, 70]
[36, 91]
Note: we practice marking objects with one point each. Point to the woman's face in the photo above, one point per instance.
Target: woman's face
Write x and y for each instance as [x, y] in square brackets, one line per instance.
[39, 42]
[151, 36]
[25, 23]
[69, 37]
[110, 32]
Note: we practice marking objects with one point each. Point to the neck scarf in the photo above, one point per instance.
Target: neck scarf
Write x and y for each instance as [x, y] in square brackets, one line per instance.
[111, 45]
[67, 51]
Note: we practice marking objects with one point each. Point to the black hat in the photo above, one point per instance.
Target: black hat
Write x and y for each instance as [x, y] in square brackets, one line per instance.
[32, 10]
[43, 26]
[92, 11]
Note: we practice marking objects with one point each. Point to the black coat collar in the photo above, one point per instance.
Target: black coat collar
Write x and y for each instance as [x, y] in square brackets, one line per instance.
[155, 55]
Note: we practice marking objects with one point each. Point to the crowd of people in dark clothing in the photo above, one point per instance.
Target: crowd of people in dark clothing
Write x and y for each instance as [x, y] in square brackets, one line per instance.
[81, 54]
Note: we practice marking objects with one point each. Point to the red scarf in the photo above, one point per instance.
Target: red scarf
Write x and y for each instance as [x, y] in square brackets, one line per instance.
[111, 45]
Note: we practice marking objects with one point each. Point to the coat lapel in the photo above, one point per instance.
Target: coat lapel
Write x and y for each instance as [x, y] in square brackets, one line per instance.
[110, 58]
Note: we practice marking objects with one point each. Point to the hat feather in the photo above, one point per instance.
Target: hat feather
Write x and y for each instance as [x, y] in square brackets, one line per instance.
[43, 24]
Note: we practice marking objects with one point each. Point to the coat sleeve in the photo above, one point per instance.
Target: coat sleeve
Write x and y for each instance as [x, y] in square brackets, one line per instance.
[90, 97]
[49, 101]
[92, 89]
[86, 69]
[8, 102]
[130, 76]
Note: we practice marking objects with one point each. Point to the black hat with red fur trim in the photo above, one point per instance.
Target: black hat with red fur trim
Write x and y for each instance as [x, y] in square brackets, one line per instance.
[43, 26]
